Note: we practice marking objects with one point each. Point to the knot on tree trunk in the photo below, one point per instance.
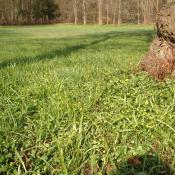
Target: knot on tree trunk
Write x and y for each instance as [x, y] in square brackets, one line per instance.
[160, 60]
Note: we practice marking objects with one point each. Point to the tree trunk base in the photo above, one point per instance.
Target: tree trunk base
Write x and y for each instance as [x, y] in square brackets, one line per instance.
[159, 62]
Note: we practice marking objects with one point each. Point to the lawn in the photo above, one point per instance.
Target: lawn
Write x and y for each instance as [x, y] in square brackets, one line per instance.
[73, 103]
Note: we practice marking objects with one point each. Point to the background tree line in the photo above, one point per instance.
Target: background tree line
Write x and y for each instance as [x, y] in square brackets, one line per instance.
[79, 11]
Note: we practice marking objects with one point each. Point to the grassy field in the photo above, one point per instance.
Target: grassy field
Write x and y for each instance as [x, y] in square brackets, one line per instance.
[71, 103]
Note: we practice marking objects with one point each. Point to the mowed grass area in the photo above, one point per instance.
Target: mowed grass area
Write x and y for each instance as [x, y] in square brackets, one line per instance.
[71, 103]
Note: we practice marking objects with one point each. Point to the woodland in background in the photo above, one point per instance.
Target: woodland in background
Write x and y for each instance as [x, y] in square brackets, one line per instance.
[13, 12]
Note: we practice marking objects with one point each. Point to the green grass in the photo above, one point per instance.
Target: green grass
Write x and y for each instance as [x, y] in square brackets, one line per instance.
[72, 104]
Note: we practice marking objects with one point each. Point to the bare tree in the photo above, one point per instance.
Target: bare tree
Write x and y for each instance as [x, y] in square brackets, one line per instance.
[114, 11]
[119, 11]
[146, 8]
[75, 4]
[100, 12]
[107, 11]
[79, 11]
[84, 3]
[138, 12]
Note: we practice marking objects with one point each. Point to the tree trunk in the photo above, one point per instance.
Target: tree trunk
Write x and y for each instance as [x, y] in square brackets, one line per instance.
[75, 11]
[119, 11]
[100, 12]
[157, 9]
[29, 17]
[145, 21]
[114, 12]
[146, 9]
[13, 11]
[138, 12]
[84, 12]
[107, 15]
[160, 60]
[138, 18]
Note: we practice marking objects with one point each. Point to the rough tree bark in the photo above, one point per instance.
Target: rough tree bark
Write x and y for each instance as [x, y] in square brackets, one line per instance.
[160, 60]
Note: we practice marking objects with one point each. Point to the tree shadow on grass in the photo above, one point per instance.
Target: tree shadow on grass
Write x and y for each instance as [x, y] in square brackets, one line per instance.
[149, 164]
[95, 40]
[52, 54]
